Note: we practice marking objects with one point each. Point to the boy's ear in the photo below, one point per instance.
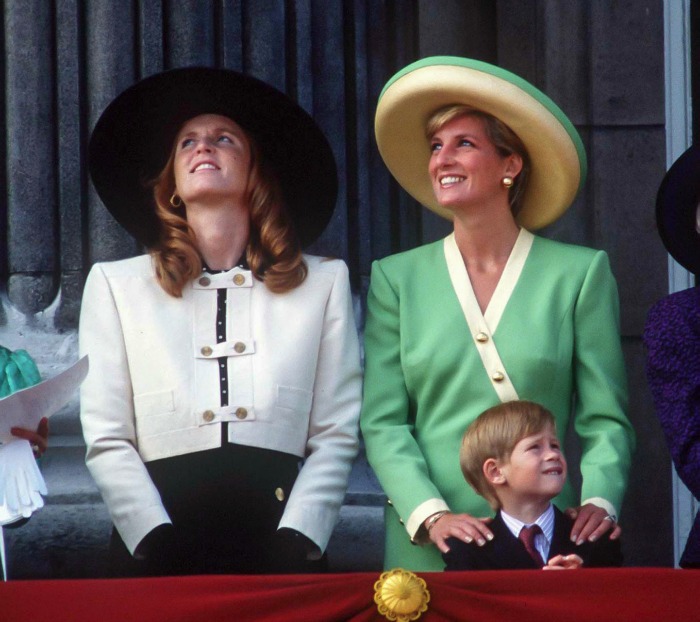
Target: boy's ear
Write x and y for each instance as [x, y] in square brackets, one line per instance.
[492, 472]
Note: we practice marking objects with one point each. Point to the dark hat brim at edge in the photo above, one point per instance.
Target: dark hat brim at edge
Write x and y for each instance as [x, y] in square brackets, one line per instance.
[676, 207]
[133, 138]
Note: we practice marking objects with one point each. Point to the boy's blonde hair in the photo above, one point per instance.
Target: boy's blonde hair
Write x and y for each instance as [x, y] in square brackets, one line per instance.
[494, 434]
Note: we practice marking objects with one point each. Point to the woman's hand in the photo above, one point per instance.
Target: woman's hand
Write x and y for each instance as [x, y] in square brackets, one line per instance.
[564, 562]
[289, 551]
[591, 522]
[461, 526]
[39, 439]
[160, 553]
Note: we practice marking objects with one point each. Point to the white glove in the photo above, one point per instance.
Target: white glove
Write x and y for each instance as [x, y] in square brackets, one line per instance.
[21, 482]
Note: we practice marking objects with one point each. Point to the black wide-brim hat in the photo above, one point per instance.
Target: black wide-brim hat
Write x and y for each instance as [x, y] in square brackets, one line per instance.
[676, 208]
[133, 139]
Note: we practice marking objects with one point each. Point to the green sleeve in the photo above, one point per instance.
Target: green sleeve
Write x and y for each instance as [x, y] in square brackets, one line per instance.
[607, 437]
[386, 420]
[17, 371]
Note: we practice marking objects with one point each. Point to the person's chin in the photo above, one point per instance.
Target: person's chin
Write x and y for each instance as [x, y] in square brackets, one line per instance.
[555, 489]
[551, 489]
[448, 203]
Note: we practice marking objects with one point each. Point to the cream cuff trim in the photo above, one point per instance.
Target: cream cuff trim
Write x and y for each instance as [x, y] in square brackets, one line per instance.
[602, 503]
[417, 518]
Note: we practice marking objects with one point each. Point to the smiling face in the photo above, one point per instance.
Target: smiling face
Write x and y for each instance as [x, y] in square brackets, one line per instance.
[466, 168]
[212, 160]
[535, 471]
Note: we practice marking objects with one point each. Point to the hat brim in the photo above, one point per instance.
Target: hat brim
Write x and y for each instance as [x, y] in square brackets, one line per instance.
[133, 138]
[556, 152]
[676, 208]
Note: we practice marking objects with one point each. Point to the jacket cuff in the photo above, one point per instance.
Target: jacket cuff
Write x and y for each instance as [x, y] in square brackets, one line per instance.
[417, 518]
[314, 523]
[602, 503]
[139, 526]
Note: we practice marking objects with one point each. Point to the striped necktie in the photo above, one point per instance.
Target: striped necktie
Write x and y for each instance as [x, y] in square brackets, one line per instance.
[527, 537]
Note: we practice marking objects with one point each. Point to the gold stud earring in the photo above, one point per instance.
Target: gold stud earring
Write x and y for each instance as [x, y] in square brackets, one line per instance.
[507, 182]
[175, 200]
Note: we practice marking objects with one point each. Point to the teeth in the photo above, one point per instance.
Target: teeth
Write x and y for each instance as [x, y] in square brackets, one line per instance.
[204, 165]
[452, 179]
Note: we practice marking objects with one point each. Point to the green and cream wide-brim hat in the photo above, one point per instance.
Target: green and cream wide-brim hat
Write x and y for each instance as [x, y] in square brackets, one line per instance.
[557, 156]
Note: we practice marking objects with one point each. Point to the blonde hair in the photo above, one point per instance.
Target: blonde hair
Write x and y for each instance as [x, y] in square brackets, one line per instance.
[505, 140]
[273, 252]
[494, 434]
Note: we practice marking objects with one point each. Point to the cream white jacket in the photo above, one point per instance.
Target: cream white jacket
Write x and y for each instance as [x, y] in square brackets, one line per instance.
[153, 387]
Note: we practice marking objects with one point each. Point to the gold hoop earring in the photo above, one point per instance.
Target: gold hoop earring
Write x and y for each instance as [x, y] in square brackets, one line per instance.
[507, 182]
[175, 198]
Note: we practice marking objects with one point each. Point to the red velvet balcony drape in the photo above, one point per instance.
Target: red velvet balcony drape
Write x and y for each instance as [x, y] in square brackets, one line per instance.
[633, 594]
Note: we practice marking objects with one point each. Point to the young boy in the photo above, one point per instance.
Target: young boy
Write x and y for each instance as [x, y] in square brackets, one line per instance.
[511, 456]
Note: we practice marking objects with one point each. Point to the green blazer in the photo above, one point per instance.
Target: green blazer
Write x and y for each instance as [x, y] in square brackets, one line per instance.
[558, 339]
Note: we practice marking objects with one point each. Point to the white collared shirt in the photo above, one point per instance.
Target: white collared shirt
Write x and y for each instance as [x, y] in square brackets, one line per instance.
[543, 541]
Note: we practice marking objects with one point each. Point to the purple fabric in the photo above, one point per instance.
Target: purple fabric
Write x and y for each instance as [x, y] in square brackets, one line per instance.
[672, 338]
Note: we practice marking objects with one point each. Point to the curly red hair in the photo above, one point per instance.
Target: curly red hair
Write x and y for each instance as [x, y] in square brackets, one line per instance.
[273, 251]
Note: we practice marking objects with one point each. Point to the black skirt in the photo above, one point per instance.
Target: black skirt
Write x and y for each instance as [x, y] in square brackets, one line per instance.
[225, 505]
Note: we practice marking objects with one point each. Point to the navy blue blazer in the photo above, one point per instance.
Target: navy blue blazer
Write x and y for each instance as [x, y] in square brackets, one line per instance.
[506, 552]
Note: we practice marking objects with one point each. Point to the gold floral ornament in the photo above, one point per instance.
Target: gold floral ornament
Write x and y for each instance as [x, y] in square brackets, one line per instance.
[401, 595]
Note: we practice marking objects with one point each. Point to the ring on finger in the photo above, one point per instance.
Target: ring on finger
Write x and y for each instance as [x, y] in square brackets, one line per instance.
[610, 517]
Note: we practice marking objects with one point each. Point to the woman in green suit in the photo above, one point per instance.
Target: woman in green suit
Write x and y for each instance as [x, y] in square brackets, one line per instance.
[491, 313]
